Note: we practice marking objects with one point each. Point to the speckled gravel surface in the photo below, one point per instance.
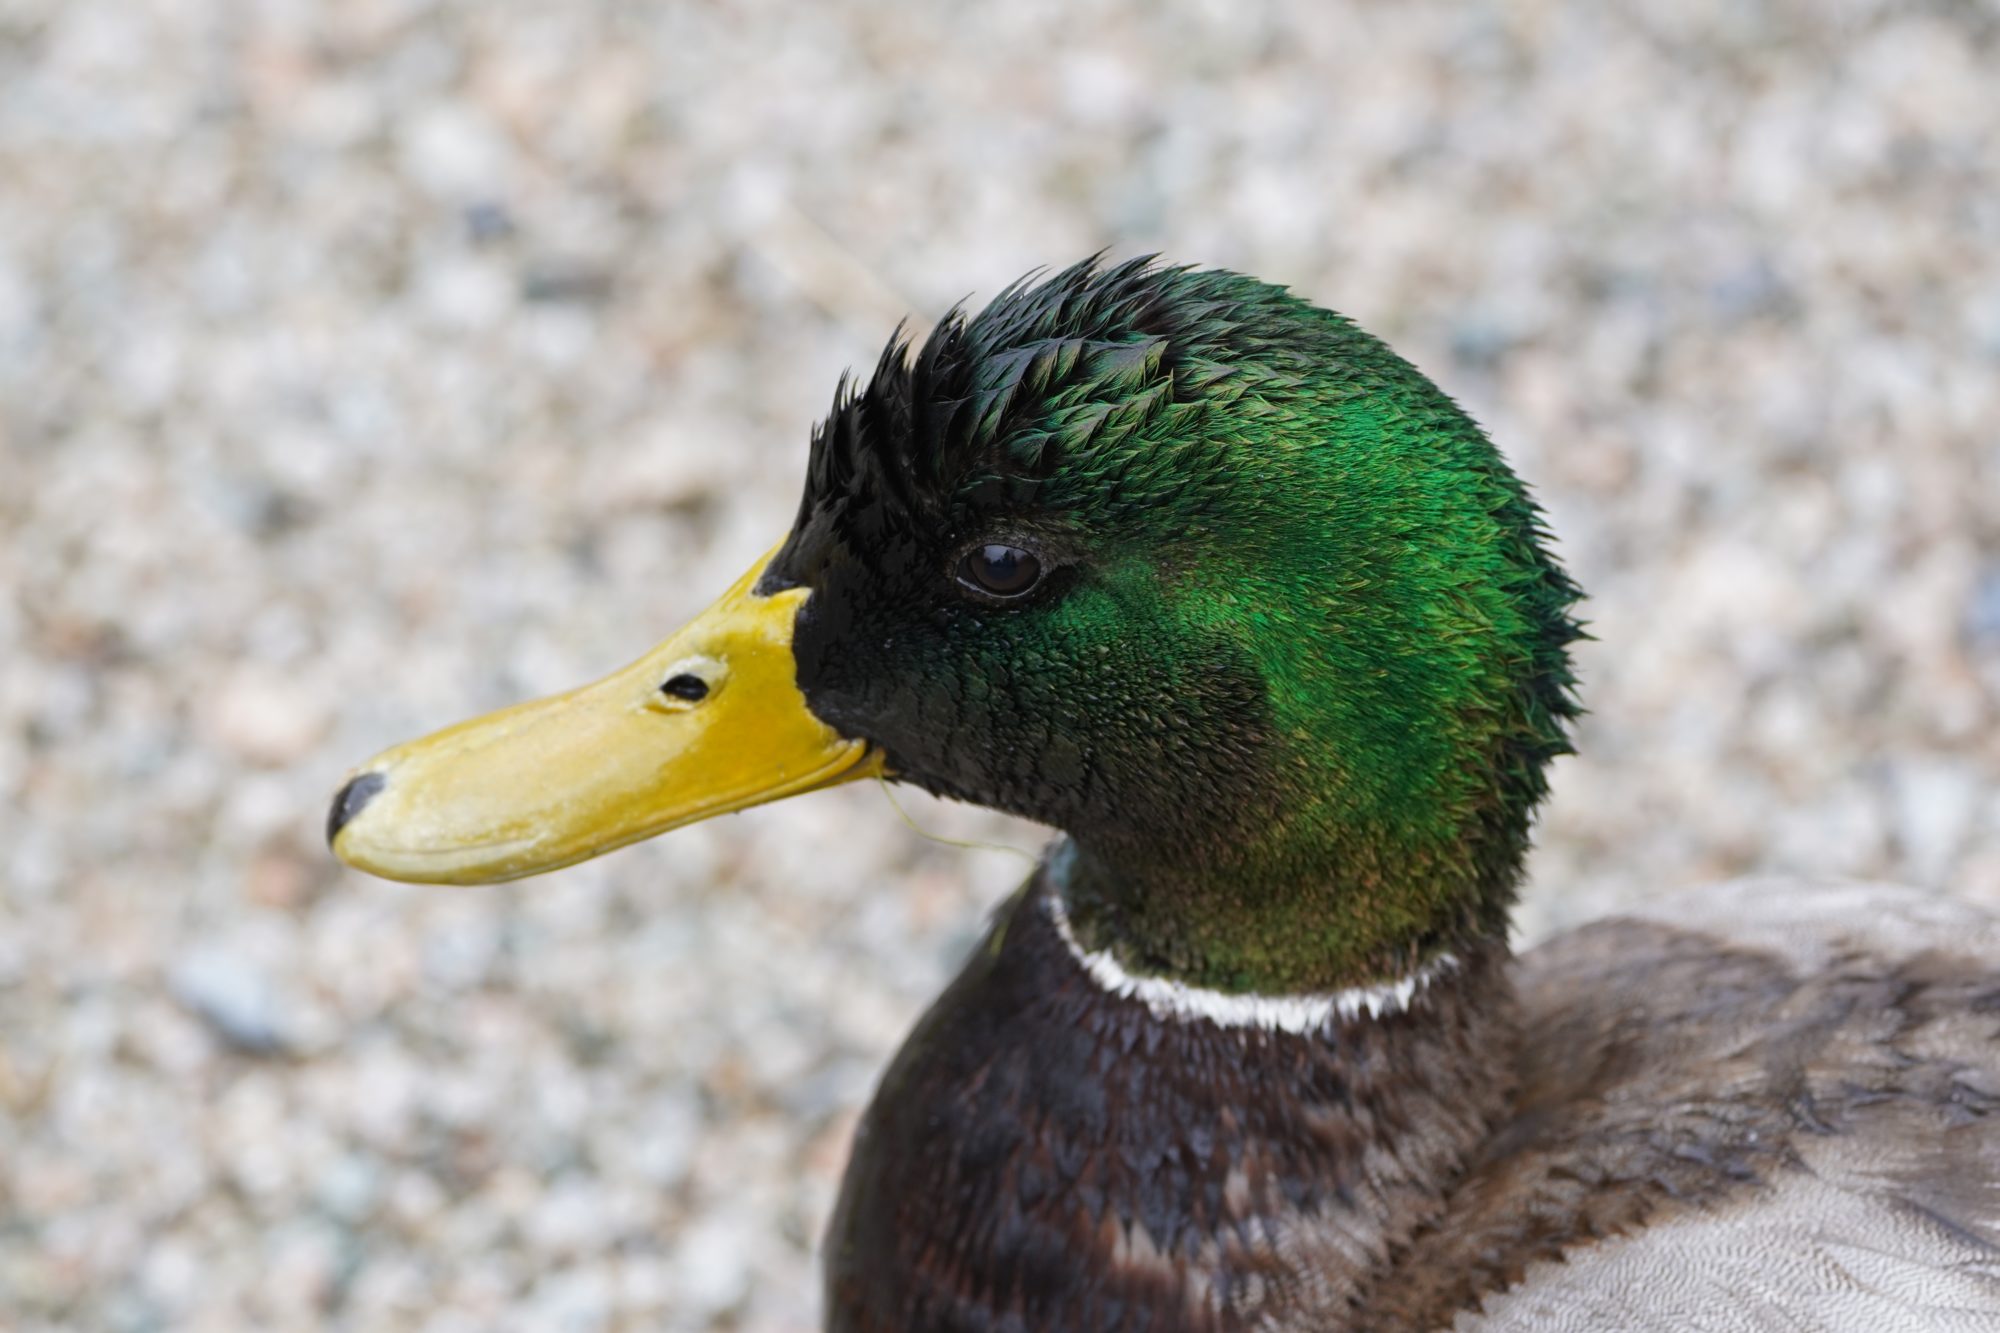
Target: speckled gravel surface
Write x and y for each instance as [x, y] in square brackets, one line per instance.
[364, 365]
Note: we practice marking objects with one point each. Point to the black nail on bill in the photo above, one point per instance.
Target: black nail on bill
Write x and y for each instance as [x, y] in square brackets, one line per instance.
[349, 802]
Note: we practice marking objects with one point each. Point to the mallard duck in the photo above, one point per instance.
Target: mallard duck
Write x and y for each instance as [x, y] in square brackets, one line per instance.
[1219, 586]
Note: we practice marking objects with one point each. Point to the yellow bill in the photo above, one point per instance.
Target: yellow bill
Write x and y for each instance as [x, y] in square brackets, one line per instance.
[708, 722]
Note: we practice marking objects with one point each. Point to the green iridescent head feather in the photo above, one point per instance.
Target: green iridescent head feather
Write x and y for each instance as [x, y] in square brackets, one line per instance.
[1298, 659]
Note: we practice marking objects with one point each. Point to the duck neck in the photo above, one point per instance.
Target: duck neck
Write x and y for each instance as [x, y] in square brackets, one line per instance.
[1298, 914]
[1061, 1144]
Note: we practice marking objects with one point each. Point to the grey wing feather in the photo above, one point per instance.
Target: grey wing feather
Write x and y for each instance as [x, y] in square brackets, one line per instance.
[1883, 1212]
[1828, 1249]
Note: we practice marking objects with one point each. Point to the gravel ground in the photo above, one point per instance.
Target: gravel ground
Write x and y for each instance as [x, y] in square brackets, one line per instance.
[364, 365]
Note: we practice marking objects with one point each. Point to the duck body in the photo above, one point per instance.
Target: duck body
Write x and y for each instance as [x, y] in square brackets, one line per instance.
[1219, 586]
[1642, 1124]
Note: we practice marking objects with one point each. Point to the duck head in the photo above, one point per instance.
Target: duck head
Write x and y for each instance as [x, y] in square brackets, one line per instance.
[1170, 560]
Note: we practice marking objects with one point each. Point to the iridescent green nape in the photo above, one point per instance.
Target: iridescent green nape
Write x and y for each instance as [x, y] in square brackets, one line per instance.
[1294, 692]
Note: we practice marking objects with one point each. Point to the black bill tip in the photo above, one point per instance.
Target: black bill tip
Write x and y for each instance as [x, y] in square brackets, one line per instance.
[350, 802]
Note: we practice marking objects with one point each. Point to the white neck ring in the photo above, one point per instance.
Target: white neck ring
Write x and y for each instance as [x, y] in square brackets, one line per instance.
[1301, 1014]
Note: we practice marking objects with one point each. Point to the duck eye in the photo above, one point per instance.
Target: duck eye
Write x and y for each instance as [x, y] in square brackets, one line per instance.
[1000, 571]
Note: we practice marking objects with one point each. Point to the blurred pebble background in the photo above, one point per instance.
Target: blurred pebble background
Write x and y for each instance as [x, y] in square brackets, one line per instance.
[365, 365]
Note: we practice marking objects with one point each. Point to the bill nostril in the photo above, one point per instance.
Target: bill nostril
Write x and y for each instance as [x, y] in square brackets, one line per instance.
[686, 686]
[349, 802]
